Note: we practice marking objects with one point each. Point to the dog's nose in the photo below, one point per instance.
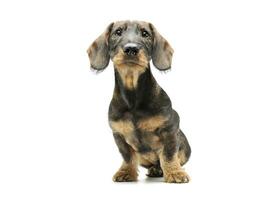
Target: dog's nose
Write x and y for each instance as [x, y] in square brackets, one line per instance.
[131, 49]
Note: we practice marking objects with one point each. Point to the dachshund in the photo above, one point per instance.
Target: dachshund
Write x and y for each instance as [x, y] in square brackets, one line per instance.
[144, 124]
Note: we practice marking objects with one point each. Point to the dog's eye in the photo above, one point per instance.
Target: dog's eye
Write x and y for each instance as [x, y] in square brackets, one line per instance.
[119, 32]
[145, 33]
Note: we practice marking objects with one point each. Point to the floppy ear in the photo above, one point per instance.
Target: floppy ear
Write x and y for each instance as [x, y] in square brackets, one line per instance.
[162, 52]
[98, 51]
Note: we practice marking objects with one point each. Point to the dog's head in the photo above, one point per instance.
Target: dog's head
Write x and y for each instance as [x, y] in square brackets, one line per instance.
[130, 43]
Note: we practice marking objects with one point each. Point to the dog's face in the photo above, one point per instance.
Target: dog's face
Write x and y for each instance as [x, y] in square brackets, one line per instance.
[130, 43]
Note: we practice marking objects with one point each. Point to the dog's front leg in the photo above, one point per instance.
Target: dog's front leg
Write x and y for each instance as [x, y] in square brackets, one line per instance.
[170, 162]
[128, 170]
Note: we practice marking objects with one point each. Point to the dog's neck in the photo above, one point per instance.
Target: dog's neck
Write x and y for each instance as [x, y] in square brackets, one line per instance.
[135, 90]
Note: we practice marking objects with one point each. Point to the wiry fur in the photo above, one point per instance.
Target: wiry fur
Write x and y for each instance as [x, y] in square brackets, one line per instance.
[144, 124]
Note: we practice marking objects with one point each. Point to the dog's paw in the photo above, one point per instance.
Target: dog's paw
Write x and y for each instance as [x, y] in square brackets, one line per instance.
[155, 172]
[178, 176]
[125, 176]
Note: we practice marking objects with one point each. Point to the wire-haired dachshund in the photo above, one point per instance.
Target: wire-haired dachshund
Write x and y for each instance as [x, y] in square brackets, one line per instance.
[144, 124]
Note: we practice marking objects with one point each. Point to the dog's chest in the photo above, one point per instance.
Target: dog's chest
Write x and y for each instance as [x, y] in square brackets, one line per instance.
[140, 134]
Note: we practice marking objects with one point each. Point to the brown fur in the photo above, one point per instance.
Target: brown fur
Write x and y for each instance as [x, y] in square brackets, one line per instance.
[157, 90]
[166, 45]
[173, 173]
[124, 127]
[128, 171]
[147, 158]
[92, 47]
[182, 157]
[155, 142]
[130, 72]
[152, 123]
[143, 161]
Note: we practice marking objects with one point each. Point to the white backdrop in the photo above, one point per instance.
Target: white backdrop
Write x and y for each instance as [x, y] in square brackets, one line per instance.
[55, 142]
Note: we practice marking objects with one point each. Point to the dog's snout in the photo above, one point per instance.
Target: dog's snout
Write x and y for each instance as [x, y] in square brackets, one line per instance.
[131, 49]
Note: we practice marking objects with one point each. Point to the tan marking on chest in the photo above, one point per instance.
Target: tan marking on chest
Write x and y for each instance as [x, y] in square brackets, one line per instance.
[124, 127]
[155, 143]
[152, 123]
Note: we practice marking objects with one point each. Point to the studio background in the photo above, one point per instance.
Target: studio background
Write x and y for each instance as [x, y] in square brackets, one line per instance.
[55, 142]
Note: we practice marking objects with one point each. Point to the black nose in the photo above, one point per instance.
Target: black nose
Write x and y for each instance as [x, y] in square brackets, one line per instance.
[131, 49]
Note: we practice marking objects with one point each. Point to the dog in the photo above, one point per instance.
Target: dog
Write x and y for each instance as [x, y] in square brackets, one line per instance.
[144, 124]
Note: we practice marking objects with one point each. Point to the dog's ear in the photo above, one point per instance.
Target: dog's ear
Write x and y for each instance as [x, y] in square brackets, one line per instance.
[98, 51]
[162, 52]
